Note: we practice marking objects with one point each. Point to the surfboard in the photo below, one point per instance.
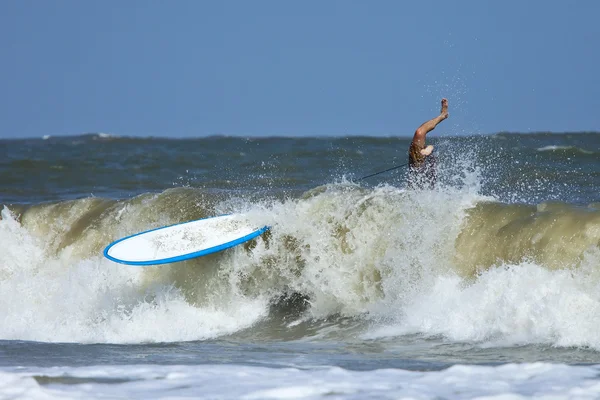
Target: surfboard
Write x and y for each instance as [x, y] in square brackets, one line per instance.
[183, 241]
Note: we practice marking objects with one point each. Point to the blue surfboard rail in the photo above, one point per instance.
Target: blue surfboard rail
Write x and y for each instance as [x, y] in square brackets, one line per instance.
[187, 256]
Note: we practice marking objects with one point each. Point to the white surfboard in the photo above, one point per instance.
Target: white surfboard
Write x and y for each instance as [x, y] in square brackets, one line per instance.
[183, 241]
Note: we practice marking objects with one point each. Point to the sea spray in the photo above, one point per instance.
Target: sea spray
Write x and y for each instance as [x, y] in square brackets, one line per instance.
[506, 305]
[394, 261]
[337, 247]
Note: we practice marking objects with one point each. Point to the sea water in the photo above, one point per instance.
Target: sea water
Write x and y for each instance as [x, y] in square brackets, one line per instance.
[485, 286]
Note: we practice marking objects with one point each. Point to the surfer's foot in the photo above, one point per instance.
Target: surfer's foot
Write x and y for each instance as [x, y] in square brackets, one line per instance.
[444, 111]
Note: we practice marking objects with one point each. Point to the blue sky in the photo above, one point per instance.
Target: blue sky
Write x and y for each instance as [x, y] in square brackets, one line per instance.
[256, 68]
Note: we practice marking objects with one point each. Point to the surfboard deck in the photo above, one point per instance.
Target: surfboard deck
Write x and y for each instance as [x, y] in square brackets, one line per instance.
[183, 241]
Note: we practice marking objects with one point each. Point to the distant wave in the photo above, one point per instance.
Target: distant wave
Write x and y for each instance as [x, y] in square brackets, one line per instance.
[102, 135]
[564, 148]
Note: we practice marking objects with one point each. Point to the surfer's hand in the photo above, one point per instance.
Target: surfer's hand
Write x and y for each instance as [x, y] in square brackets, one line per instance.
[427, 150]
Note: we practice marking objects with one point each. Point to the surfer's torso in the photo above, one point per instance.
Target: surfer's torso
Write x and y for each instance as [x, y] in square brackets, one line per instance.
[422, 169]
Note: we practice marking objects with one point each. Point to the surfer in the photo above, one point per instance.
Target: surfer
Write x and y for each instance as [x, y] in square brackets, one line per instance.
[421, 161]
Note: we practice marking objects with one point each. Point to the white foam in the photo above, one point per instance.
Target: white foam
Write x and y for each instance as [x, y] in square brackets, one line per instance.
[56, 299]
[510, 304]
[379, 253]
[510, 381]
[553, 148]
[558, 148]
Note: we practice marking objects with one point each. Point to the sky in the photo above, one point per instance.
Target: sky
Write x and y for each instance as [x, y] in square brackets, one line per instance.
[303, 68]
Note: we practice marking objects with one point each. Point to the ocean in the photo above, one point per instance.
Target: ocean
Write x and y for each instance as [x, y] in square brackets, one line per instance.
[486, 286]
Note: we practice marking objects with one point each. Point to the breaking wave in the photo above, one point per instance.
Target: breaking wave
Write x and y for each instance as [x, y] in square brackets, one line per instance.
[378, 261]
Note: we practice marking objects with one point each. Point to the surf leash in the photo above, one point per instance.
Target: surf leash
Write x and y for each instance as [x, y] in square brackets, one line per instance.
[381, 172]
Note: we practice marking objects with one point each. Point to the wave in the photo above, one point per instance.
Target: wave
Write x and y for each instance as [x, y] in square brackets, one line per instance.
[523, 380]
[573, 149]
[392, 262]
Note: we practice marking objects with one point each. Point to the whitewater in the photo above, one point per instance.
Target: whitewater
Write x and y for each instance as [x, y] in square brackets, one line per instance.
[486, 285]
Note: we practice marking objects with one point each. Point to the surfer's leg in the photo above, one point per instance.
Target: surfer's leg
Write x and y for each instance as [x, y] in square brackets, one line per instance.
[422, 174]
[430, 125]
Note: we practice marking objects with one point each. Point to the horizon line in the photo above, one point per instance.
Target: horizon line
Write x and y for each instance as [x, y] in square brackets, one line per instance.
[104, 135]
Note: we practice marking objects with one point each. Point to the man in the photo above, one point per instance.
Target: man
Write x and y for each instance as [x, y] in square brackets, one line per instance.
[420, 160]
